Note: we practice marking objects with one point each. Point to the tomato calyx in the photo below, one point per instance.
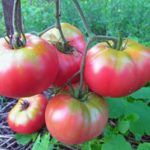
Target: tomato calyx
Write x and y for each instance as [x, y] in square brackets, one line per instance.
[24, 105]
[14, 26]
[75, 93]
[16, 41]
[120, 44]
[67, 49]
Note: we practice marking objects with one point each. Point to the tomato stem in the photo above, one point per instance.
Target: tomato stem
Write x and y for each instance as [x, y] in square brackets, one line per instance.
[18, 39]
[71, 87]
[86, 25]
[58, 25]
[119, 42]
[75, 75]
[13, 23]
[25, 104]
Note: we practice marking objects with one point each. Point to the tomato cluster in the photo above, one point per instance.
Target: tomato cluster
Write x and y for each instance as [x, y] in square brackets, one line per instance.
[46, 62]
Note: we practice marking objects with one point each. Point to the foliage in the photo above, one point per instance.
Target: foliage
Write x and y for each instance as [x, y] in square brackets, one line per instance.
[25, 139]
[129, 116]
[131, 17]
[129, 122]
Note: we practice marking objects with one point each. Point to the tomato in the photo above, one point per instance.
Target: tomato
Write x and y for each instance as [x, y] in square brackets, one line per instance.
[69, 63]
[29, 70]
[27, 116]
[113, 73]
[72, 121]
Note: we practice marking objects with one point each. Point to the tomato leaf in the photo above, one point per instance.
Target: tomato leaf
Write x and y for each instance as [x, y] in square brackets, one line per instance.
[142, 93]
[124, 123]
[108, 131]
[116, 106]
[144, 146]
[44, 142]
[91, 145]
[116, 142]
[123, 126]
[141, 125]
[24, 139]
[119, 107]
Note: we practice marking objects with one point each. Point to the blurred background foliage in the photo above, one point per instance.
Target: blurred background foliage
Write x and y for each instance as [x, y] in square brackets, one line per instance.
[130, 17]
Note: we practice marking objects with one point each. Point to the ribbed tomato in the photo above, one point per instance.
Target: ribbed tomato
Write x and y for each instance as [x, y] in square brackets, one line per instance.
[69, 63]
[28, 70]
[72, 121]
[27, 116]
[114, 73]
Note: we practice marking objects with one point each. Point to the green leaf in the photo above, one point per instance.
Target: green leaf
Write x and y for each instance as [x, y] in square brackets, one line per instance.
[37, 143]
[124, 122]
[116, 142]
[42, 142]
[132, 117]
[119, 107]
[91, 145]
[116, 106]
[123, 126]
[24, 139]
[108, 131]
[142, 93]
[144, 146]
[141, 125]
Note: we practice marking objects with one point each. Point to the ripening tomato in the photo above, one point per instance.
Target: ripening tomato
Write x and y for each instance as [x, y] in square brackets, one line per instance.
[114, 73]
[72, 121]
[29, 70]
[69, 62]
[27, 116]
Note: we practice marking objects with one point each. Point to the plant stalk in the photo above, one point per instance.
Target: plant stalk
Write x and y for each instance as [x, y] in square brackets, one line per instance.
[58, 15]
[8, 11]
[86, 25]
[19, 39]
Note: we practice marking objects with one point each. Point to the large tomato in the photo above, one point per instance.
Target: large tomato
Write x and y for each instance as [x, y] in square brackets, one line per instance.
[27, 116]
[114, 73]
[29, 70]
[73, 122]
[69, 63]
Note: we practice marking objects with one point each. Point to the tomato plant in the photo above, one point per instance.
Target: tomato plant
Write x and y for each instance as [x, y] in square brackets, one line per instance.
[27, 116]
[72, 121]
[28, 70]
[69, 61]
[116, 73]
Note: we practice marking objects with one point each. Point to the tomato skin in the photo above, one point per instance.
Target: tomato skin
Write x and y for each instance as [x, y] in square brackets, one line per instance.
[113, 73]
[31, 119]
[74, 122]
[29, 70]
[69, 64]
